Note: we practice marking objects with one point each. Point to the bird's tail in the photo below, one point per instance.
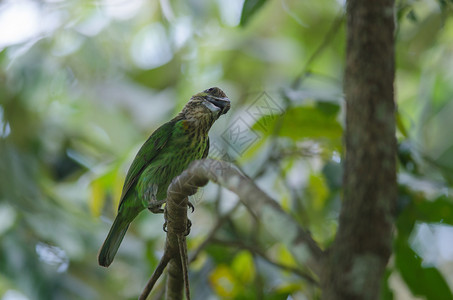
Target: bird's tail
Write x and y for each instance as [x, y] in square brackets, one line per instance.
[113, 241]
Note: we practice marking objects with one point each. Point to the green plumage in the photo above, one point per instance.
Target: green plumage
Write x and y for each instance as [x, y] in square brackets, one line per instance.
[166, 153]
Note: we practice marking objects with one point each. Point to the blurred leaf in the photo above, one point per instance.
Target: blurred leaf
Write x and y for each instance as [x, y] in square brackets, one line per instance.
[402, 9]
[285, 202]
[117, 188]
[97, 197]
[386, 291]
[422, 281]
[159, 78]
[200, 262]
[437, 211]
[442, 4]
[223, 281]
[427, 282]
[318, 190]
[418, 209]
[285, 257]
[406, 157]
[412, 16]
[77, 96]
[253, 150]
[427, 32]
[289, 288]
[249, 8]
[333, 174]
[151, 255]
[219, 253]
[400, 125]
[243, 267]
[278, 296]
[307, 122]
[329, 108]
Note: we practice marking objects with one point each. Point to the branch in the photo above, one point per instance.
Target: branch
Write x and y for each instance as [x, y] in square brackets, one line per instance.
[328, 38]
[177, 229]
[297, 239]
[157, 273]
[184, 263]
[175, 253]
[258, 251]
[212, 233]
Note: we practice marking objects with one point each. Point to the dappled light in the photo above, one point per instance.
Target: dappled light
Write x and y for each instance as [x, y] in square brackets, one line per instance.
[83, 84]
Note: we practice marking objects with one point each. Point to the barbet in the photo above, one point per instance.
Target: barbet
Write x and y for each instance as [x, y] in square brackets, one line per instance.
[166, 153]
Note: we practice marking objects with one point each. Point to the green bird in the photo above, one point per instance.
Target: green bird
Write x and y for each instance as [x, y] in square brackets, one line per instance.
[166, 154]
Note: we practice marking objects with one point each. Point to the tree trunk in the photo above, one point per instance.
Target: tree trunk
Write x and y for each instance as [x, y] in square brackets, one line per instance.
[355, 264]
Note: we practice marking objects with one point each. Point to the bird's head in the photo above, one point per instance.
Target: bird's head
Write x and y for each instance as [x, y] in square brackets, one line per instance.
[208, 105]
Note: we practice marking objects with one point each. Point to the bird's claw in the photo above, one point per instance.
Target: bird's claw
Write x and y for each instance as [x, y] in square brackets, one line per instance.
[164, 227]
[191, 206]
[155, 208]
[189, 225]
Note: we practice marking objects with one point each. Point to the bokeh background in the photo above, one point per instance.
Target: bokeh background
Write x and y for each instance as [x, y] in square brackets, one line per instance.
[84, 83]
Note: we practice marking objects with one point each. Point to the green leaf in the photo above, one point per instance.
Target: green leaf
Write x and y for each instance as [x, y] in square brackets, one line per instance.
[318, 191]
[406, 157]
[249, 8]
[223, 282]
[243, 267]
[415, 207]
[412, 16]
[442, 4]
[422, 281]
[439, 210]
[386, 291]
[304, 122]
[220, 254]
[400, 125]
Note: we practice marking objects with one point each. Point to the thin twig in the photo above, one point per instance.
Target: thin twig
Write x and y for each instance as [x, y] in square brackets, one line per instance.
[299, 241]
[328, 37]
[259, 252]
[156, 274]
[212, 233]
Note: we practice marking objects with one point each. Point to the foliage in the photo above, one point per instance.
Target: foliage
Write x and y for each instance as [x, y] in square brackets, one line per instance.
[81, 93]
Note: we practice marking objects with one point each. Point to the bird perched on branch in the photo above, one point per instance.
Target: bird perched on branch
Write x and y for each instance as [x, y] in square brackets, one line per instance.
[166, 153]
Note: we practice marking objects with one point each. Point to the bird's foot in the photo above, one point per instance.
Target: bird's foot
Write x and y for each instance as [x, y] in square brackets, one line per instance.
[164, 227]
[156, 206]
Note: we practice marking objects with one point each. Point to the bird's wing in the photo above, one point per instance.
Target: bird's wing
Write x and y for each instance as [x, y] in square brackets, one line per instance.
[150, 149]
[206, 150]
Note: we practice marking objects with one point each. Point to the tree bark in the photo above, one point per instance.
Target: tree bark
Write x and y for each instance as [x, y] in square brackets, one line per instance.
[177, 227]
[175, 281]
[355, 264]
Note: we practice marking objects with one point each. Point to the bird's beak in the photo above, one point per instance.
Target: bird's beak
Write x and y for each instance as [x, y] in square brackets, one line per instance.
[221, 102]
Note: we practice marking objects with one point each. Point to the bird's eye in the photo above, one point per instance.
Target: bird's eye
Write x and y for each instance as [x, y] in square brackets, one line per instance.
[211, 90]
